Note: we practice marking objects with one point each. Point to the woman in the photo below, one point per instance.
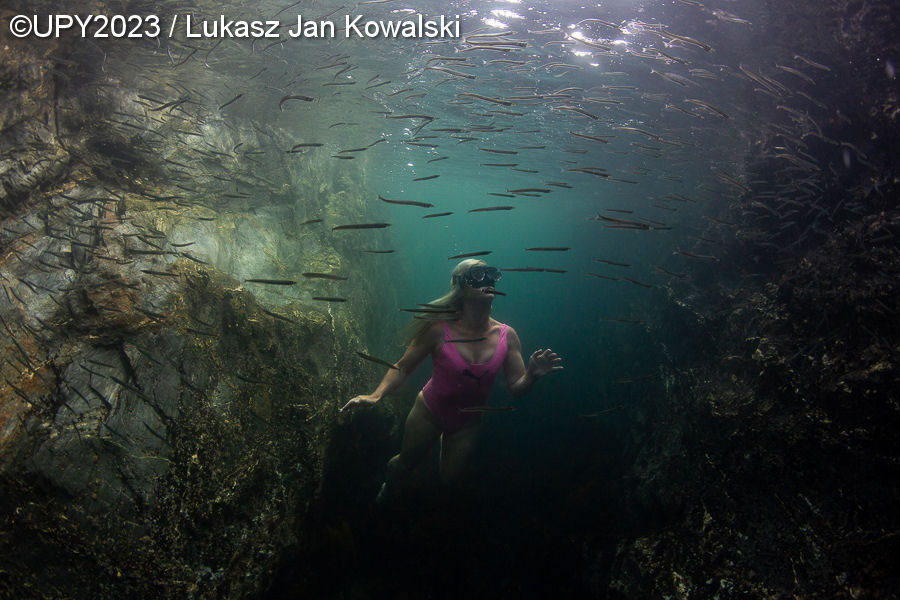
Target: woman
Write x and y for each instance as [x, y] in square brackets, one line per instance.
[468, 350]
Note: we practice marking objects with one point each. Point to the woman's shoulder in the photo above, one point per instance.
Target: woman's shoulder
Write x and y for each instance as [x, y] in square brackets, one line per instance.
[495, 323]
[434, 334]
[510, 332]
[511, 335]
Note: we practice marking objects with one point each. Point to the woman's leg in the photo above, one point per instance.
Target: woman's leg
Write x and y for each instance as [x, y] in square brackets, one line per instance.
[419, 435]
[455, 451]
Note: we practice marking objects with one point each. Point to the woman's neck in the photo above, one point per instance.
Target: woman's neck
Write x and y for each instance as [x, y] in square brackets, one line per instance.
[476, 316]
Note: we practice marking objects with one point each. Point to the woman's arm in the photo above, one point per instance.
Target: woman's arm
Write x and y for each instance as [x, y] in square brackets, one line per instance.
[395, 378]
[520, 379]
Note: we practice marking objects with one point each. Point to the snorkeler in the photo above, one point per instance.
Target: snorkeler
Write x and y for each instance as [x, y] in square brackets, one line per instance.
[467, 353]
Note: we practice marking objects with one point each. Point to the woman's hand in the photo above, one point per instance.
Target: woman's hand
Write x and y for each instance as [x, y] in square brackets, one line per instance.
[542, 362]
[363, 399]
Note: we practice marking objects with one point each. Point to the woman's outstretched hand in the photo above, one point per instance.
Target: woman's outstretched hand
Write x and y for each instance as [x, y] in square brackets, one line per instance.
[357, 400]
[542, 362]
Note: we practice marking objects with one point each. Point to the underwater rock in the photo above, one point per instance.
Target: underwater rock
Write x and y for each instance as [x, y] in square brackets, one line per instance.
[162, 425]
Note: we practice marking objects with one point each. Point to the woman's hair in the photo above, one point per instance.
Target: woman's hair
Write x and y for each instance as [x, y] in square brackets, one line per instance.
[451, 300]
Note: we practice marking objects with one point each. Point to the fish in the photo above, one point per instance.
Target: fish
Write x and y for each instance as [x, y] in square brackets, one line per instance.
[499, 151]
[380, 251]
[441, 214]
[133, 250]
[652, 136]
[593, 138]
[594, 415]
[682, 38]
[294, 97]
[674, 78]
[438, 158]
[667, 272]
[311, 221]
[768, 84]
[719, 221]
[722, 176]
[468, 254]
[636, 282]
[170, 105]
[193, 258]
[150, 313]
[811, 63]
[161, 273]
[492, 208]
[589, 170]
[426, 178]
[503, 112]
[525, 190]
[361, 226]
[230, 101]
[535, 270]
[692, 255]
[602, 276]
[499, 164]
[271, 281]
[708, 106]
[415, 116]
[799, 74]
[609, 262]
[377, 360]
[324, 276]
[117, 434]
[623, 223]
[450, 72]
[446, 58]
[575, 109]
[329, 299]
[406, 202]
[501, 195]
[155, 434]
[486, 98]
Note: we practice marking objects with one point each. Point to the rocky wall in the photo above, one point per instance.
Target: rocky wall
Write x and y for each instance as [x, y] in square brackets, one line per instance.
[162, 421]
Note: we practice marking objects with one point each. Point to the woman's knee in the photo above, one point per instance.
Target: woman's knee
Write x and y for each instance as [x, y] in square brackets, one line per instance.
[396, 466]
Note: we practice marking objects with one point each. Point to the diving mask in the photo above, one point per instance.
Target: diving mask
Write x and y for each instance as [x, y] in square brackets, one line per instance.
[479, 276]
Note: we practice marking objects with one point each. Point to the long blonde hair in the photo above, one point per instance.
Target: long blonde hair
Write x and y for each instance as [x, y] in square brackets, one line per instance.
[451, 300]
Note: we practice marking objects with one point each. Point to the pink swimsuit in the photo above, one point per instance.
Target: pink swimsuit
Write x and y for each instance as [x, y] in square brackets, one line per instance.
[456, 383]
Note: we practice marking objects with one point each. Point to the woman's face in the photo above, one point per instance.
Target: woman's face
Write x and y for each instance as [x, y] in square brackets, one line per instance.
[478, 282]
